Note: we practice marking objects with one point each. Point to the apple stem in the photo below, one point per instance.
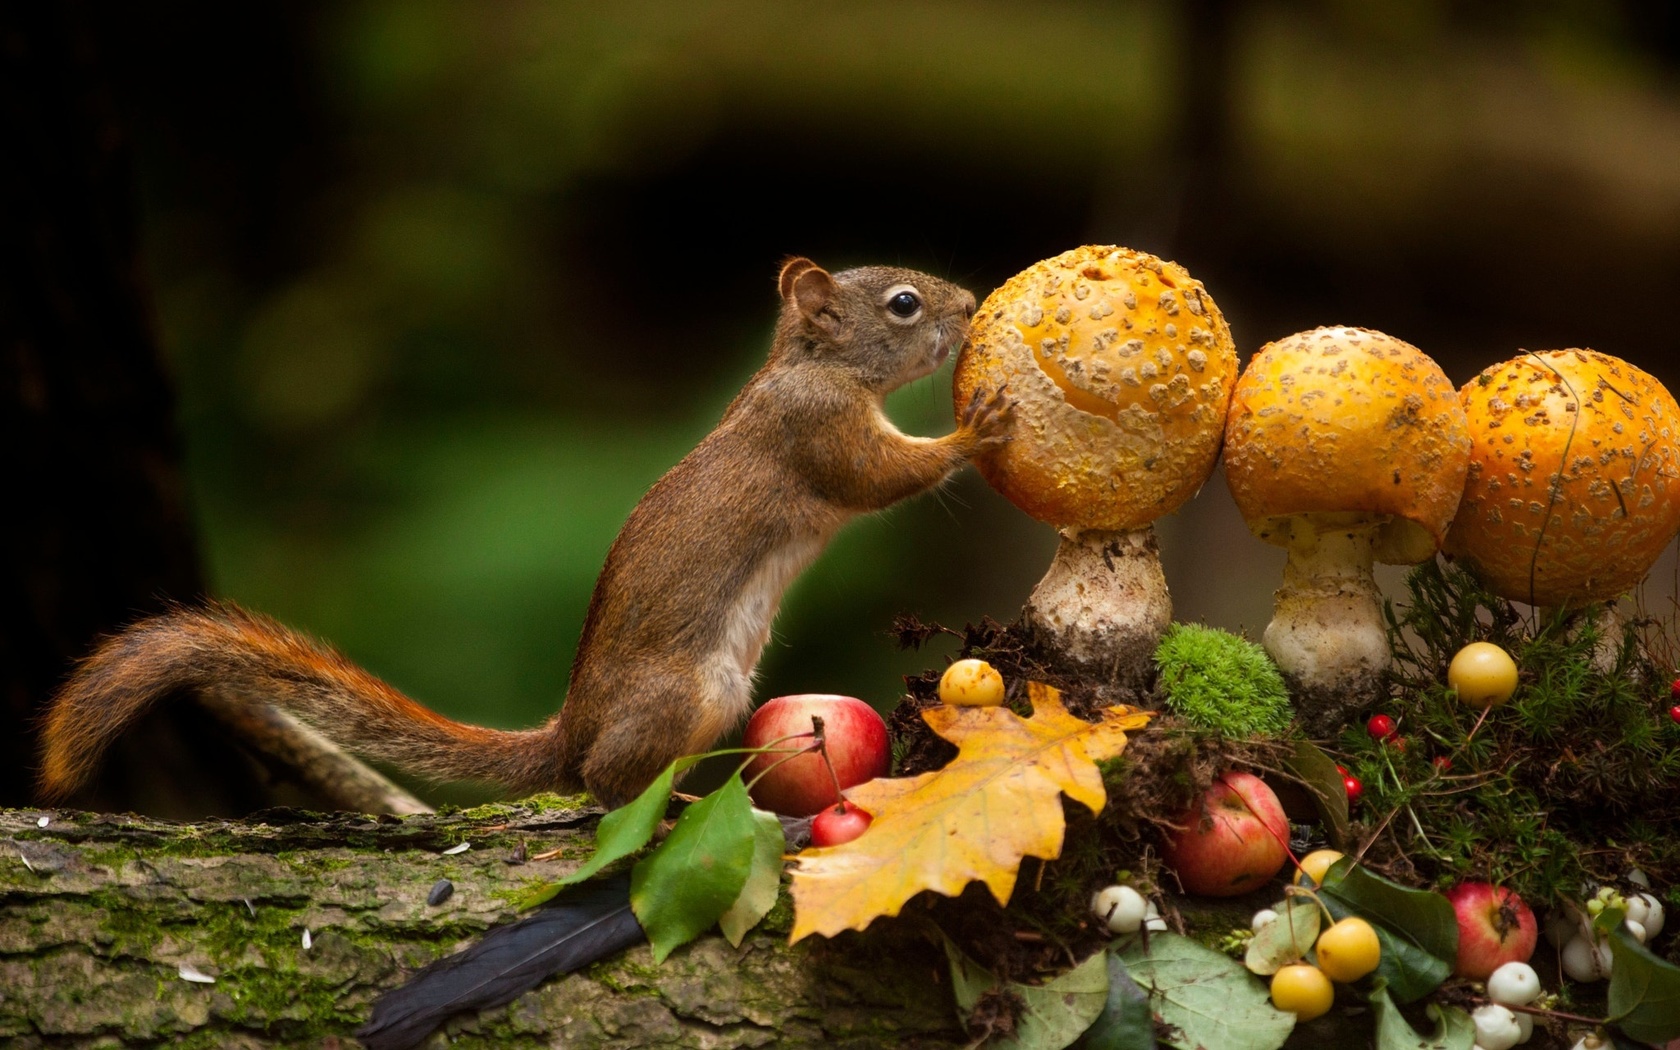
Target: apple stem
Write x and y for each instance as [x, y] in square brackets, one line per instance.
[822, 749]
[788, 755]
[1479, 720]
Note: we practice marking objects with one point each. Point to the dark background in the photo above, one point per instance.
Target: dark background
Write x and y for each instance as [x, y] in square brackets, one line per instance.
[443, 287]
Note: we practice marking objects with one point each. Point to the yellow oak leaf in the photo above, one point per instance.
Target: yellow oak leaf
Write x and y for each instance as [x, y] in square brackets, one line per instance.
[998, 801]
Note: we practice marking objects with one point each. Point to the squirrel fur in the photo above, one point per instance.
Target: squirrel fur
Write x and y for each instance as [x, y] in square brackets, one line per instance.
[682, 608]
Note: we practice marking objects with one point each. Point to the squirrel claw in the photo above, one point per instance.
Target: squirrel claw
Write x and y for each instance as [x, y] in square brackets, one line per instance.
[990, 415]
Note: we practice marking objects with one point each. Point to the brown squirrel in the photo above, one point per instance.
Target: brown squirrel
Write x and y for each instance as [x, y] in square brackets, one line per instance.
[683, 606]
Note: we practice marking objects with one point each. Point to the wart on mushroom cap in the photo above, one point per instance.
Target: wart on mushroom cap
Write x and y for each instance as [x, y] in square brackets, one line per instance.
[1574, 482]
[1120, 367]
[1345, 446]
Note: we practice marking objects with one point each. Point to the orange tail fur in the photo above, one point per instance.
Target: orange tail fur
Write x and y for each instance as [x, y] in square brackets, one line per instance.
[256, 660]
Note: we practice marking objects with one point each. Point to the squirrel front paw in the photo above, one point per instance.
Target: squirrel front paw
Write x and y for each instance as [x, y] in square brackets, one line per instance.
[988, 418]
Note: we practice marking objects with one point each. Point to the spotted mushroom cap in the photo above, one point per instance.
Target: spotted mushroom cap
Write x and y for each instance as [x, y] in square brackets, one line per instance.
[1352, 423]
[1120, 367]
[1574, 485]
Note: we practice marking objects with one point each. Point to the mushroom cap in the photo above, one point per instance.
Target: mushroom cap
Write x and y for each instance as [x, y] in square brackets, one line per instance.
[1120, 369]
[1574, 484]
[1354, 425]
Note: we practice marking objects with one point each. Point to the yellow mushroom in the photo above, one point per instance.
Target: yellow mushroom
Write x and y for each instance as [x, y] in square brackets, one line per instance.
[1574, 483]
[1344, 446]
[1120, 367]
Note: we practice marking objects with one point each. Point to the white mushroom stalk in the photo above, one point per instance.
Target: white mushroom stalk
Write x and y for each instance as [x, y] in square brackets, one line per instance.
[1104, 603]
[1120, 369]
[1327, 629]
[1345, 447]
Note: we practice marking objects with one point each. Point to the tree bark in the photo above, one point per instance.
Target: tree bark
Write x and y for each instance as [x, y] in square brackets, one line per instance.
[100, 914]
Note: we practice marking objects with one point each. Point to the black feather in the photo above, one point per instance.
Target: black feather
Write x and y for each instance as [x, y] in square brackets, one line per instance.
[581, 925]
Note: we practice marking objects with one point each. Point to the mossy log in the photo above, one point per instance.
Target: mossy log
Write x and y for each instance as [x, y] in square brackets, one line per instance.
[100, 917]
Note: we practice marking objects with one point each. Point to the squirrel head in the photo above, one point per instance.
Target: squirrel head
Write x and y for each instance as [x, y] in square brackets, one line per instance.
[887, 325]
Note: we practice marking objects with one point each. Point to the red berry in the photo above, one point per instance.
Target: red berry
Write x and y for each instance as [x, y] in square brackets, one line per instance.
[838, 824]
[1674, 690]
[1397, 742]
[1443, 763]
[1674, 712]
[1342, 770]
[1381, 727]
[1354, 788]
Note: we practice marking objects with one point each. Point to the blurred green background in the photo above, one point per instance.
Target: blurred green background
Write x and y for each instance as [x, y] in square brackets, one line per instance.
[446, 286]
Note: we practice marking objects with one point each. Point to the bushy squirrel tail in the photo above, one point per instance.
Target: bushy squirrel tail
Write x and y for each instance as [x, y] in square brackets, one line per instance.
[252, 659]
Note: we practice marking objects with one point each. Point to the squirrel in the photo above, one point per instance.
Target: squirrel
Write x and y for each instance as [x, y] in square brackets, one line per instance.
[682, 608]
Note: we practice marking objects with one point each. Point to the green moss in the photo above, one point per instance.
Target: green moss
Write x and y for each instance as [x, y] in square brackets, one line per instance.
[1548, 791]
[1216, 680]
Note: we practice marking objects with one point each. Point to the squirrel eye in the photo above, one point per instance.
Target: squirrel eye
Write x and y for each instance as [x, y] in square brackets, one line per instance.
[904, 304]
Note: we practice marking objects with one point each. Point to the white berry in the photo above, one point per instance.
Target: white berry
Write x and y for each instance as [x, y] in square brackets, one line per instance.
[1263, 917]
[1121, 907]
[1584, 961]
[1590, 1041]
[1525, 1023]
[1654, 915]
[1496, 1027]
[1637, 929]
[1514, 984]
[1155, 924]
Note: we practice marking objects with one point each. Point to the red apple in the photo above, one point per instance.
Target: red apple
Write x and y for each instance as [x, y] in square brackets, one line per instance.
[1494, 927]
[1234, 841]
[799, 787]
[837, 825]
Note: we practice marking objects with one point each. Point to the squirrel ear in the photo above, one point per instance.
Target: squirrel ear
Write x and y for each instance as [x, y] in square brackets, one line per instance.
[792, 267]
[809, 288]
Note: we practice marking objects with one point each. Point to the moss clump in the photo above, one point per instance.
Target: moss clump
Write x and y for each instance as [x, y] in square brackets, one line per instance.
[1216, 680]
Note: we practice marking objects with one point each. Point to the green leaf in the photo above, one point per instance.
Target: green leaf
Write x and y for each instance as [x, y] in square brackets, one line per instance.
[1417, 929]
[1326, 785]
[764, 879]
[680, 889]
[969, 980]
[1285, 940]
[621, 832]
[1054, 1014]
[1453, 1028]
[1644, 991]
[1127, 1022]
[1207, 998]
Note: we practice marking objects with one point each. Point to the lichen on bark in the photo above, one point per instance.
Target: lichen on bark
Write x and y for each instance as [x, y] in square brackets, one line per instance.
[99, 915]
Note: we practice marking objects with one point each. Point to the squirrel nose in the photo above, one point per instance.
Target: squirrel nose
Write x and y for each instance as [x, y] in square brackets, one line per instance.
[968, 305]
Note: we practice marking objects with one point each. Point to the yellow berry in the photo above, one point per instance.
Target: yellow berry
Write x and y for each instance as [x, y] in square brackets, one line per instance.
[1483, 675]
[971, 683]
[1303, 990]
[1314, 865]
[1348, 950]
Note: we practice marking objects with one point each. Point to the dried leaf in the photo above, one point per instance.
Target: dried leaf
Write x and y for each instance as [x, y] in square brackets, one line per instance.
[997, 802]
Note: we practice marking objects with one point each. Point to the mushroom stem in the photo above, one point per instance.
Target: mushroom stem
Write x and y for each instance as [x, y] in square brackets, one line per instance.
[1327, 633]
[1605, 618]
[1103, 605]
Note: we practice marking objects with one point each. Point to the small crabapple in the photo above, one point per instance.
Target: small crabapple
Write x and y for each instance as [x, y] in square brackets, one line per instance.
[1483, 674]
[1303, 990]
[839, 824]
[1348, 950]
[971, 683]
